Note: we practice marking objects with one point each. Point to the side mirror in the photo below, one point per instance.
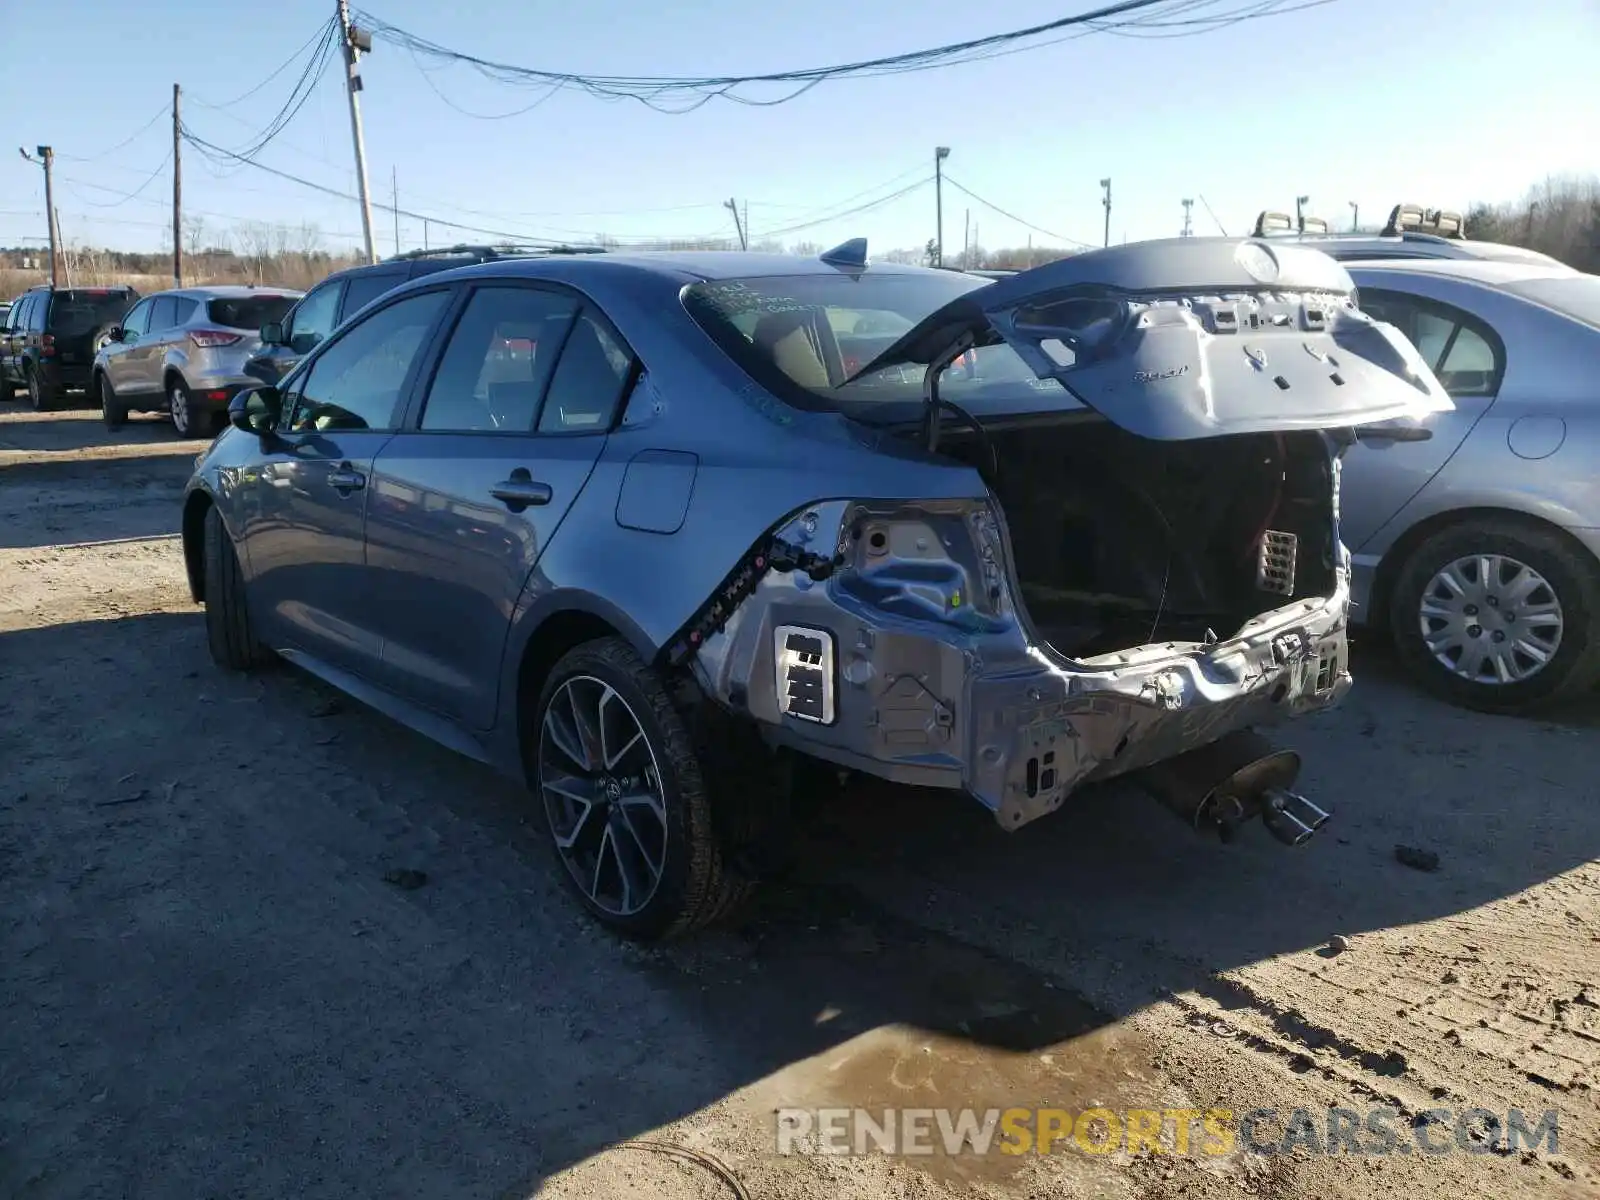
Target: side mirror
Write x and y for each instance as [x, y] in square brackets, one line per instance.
[256, 410]
[272, 334]
[116, 333]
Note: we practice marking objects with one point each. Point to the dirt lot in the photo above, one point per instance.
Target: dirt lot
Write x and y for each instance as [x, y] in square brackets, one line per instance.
[209, 988]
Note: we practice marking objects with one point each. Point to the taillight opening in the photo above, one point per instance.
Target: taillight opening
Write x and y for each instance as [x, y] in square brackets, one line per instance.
[207, 338]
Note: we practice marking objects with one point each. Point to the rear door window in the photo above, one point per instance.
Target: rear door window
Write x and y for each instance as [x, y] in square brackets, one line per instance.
[362, 290]
[495, 367]
[589, 379]
[1465, 353]
[163, 314]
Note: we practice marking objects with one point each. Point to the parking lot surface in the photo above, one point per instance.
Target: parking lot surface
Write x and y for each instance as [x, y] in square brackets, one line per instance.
[259, 941]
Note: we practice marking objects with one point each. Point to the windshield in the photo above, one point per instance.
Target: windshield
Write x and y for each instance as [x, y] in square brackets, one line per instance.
[79, 311]
[1577, 296]
[249, 312]
[803, 336]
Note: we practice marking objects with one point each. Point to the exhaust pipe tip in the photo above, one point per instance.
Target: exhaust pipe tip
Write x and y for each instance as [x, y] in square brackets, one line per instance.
[1290, 817]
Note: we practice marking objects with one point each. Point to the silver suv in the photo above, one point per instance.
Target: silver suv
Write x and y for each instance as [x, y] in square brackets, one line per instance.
[183, 352]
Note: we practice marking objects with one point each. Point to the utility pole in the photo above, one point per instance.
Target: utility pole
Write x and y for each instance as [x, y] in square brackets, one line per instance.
[1300, 203]
[355, 41]
[747, 223]
[66, 255]
[1106, 185]
[1355, 217]
[966, 240]
[940, 153]
[738, 226]
[1188, 208]
[177, 191]
[394, 184]
[47, 159]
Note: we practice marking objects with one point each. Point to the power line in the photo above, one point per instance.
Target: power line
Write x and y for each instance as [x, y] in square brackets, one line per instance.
[322, 32]
[850, 212]
[678, 94]
[125, 196]
[127, 141]
[311, 74]
[989, 204]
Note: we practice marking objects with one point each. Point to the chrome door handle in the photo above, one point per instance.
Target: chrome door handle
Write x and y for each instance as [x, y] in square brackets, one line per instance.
[345, 479]
[520, 491]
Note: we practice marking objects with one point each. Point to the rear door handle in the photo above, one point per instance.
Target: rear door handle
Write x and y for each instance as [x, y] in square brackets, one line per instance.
[520, 491]
[345, 479]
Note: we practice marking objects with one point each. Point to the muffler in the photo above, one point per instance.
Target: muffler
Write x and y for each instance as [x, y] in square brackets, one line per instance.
[1220, 786]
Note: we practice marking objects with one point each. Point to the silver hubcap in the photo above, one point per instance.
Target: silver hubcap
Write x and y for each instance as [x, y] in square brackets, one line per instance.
[602, 795]
[1491, 619]
[180, 409]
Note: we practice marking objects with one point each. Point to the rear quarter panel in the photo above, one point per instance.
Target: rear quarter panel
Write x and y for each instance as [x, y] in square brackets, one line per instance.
[755, 462]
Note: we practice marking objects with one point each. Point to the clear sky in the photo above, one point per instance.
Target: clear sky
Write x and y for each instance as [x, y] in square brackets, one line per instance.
[1372, 101]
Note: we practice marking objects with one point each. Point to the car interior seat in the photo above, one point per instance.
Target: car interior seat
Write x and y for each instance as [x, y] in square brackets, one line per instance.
[787, 339]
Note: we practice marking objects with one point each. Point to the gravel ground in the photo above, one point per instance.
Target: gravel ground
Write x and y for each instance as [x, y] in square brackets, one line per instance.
[216, 979]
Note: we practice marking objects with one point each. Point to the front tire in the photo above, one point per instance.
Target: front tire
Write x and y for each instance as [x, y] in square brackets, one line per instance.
[229, 633]
[112, 411]
[1498, 616]
[626, 797]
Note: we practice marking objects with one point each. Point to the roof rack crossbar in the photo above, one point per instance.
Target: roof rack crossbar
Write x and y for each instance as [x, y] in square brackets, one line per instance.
[499, 250]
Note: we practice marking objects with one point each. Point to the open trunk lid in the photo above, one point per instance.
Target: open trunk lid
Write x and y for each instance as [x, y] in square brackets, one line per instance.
[1192, 338]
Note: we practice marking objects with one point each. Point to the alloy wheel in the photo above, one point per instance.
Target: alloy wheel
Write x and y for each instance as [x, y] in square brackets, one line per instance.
[602, 793]
[178, 405]
[1490, 619]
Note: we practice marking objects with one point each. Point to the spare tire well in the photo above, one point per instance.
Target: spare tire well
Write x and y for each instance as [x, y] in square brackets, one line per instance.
[194, 544]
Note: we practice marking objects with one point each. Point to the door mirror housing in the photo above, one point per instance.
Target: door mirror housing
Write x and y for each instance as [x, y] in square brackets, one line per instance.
[272, 334]
[256, 410]
[116, 333]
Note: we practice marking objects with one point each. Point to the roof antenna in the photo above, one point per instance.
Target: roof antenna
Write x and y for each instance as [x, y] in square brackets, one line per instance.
[847, 254]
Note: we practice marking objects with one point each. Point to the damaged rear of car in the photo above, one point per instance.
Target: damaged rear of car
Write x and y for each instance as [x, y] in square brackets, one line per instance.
[1147, 563]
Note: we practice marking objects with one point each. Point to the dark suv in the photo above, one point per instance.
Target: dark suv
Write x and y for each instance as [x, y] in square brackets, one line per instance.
[51, 335]
[328, 305]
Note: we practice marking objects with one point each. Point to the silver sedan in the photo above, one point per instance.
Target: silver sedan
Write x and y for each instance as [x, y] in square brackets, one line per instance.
[1476, 543]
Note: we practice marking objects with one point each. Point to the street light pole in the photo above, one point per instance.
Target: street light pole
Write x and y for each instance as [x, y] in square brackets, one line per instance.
[940, 153]
[1188, 207]
[47, 159]
[1300, 203]
[1106, 184]
[1355, 217]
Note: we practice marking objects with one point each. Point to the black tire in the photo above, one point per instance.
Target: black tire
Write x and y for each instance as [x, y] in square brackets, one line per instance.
[41, 396]
[229, 633]
[696, 884]
[187, 420]
[112, 411]
[1571, 575]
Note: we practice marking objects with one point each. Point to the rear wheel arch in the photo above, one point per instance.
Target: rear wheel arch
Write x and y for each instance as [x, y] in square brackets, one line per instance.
[194, 542]
[1394, 560]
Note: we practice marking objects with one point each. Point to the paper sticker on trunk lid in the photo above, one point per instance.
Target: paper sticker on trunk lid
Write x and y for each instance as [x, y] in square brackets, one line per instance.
[1193, 338]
